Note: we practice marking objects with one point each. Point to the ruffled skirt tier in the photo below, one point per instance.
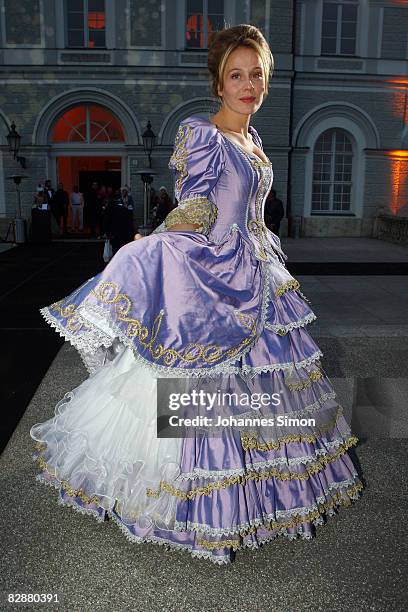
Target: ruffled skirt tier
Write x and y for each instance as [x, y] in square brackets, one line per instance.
[209, 495]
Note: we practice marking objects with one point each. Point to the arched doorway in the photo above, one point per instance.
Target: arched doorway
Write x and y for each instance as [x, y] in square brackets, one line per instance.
[85, 140]
[94, 129]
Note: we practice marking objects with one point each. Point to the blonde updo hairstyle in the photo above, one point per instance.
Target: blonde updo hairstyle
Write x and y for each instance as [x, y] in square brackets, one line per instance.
[224, 42]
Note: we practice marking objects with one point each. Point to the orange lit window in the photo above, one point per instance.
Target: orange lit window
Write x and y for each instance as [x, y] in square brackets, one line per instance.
[88, 124]
[85, 23]
[204, 17]
[96, 21]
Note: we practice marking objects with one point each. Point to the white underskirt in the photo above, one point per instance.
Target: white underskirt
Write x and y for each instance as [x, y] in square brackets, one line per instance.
[103, 440]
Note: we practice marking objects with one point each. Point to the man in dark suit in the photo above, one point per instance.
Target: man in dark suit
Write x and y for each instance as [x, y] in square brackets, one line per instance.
[273, 212]
[61, 204]
[49, 192]
[92, 202]
[119, 225]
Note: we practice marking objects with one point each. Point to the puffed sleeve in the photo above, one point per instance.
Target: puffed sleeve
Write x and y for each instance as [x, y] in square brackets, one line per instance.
[197, 162]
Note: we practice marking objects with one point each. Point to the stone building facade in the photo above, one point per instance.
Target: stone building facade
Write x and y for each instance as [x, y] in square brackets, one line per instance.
[81, 79]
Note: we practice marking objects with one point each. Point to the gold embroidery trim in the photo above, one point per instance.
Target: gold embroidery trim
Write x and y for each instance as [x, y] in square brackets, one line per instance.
[193, 210]
[257, 226]
[337, 499]
[152, 493]
[214, 545]
[250, 442]
[180, 155]
[258, 476]
[291, 284]
[258, 163]
[64, 484]
[109, 293]
[74, 323]
[314, 376]
[250, 530]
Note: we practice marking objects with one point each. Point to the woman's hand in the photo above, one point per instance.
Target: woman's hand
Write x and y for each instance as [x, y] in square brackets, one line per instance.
[137, 236]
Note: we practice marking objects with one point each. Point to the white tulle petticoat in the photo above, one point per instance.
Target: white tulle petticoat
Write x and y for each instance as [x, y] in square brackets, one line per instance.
[103, 440]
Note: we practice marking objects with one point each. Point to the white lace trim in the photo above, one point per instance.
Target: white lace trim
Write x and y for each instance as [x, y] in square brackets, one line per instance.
[200, 473]
[57, 485]
[275, 516]
[201, 554]
[220, 559]
[303, 296]
[266, 294]
[293, 325]
[204, 554]
[291, 536]
[253, 370]
[89, 342]
[315, 406]
[257, 466]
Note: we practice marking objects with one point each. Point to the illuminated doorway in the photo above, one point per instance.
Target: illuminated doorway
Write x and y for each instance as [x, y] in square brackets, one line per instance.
[83, 171]
[88, 146]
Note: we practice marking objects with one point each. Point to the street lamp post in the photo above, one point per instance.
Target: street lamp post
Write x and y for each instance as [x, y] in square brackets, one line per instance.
[18, 224]
[14, 141]
[149, 139]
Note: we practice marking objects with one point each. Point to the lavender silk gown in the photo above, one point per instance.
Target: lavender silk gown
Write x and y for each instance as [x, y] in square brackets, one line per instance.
[217, 306]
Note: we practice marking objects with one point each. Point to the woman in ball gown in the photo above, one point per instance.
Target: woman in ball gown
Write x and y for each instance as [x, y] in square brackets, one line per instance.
[206, 298]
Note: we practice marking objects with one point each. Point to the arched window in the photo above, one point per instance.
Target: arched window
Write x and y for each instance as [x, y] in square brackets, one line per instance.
[332, 171]
[89, 124]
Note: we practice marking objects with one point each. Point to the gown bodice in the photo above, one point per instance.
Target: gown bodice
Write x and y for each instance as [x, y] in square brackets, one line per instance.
[208, 165]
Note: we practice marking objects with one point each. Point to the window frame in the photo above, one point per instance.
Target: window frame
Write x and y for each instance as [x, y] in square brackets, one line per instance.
[88, 143]
[340, 4]
[267, 17]
[163, 8]
[185, 48]
[85, 46]
[331, 211]
[6, 45]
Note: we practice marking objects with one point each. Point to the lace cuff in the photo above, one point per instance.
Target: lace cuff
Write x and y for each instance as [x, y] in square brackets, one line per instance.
[193, 210]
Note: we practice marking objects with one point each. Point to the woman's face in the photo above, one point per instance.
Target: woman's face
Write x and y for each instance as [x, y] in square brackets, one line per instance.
[244, 81]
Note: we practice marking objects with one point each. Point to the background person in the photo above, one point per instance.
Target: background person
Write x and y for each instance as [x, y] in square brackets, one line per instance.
[119, 224]
[77, 209]
[61, 205]
[274, 212]
[92, 205]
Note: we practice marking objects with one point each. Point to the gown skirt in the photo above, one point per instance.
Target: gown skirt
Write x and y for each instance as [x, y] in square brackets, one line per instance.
[176, 305]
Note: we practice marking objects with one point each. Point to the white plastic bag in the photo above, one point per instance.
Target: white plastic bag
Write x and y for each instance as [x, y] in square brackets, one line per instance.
[107, 251]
